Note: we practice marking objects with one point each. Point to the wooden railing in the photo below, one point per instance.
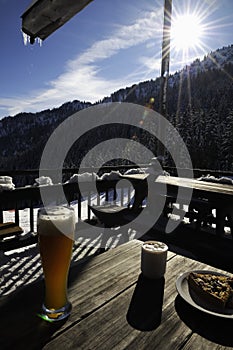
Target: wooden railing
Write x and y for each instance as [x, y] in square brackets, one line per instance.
[30, 197]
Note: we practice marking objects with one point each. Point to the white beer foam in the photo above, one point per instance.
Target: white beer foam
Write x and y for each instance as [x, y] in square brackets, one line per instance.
[55, 220]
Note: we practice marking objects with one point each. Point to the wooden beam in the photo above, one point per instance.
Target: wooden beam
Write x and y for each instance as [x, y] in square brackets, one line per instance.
[43, 17]
[165, 62]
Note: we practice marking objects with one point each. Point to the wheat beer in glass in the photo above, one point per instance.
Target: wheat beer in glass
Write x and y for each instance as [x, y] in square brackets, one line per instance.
[55, 227]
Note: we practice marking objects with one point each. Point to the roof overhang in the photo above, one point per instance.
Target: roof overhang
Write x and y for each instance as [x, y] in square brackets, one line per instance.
[43, 17]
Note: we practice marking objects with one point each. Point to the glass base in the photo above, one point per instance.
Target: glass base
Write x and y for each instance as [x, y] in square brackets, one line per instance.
[52, 315]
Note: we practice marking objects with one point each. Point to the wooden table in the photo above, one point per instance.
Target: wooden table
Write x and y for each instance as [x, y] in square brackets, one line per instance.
[210, 190]
[114, 307]
[218, 196]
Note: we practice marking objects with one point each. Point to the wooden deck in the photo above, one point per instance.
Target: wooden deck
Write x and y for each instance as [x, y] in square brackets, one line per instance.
[114, 307]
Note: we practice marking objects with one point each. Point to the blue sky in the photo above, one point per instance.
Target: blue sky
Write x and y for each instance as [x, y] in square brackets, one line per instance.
[111, 44]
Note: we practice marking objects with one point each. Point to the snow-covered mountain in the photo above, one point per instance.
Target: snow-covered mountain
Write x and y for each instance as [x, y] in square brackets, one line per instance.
[214, 60]
[202, 110]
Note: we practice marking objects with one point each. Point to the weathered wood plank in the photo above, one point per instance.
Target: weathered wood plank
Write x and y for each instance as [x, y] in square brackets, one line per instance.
[209, 332]
[91, 284]
[26, 303]
[211, 190]
[121, 322]
[113, 330]
[114, 307]
[199, 342]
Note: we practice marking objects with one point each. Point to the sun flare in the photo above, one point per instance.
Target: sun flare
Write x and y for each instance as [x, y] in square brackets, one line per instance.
[186, 32]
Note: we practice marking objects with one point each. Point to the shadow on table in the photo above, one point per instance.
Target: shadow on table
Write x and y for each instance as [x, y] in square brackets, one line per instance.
[21, 324]
[214, 328]
[19, 321]
[145, 309]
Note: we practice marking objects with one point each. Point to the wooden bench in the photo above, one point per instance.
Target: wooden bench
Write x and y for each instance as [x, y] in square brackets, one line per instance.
[12, 236]
[9, 229]
[112, 215]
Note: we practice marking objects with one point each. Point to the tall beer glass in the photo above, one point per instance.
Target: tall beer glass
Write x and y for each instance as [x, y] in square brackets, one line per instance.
[56, 235]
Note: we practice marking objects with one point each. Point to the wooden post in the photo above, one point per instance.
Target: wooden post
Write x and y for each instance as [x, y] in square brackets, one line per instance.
[164, 71]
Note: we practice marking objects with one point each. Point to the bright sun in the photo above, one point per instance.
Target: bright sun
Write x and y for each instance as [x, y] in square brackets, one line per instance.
[186, 32]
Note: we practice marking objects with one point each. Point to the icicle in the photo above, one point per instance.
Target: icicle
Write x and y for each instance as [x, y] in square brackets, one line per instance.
[26, 38]
[29, 39]
[39, 41]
